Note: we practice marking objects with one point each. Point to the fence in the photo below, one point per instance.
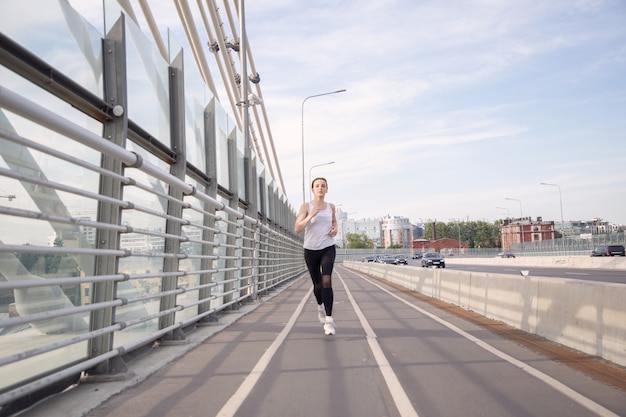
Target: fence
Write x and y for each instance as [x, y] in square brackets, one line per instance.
[131, 212]
[568, 246]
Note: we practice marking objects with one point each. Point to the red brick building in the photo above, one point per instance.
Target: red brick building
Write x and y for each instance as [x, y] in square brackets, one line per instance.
[516, 231]
[443, 246]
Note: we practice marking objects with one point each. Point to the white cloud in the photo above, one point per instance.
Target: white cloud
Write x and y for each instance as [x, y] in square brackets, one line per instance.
[450, 107]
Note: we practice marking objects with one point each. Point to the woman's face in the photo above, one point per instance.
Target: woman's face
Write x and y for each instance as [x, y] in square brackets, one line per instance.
[320, 188]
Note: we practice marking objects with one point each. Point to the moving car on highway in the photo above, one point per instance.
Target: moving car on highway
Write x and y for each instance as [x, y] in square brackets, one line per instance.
[433, 259]
[608, 250]
[505, 255]
[386, 259]
[401, 260]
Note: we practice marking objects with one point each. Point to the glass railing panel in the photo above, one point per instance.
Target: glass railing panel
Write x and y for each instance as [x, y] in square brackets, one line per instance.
[220, 251]
[241, 176]
[197, 96]
[147, 249]
[222, 130]
[148, 85]
[260, 193]
[193, 249]
[54, 32]
[30, 171]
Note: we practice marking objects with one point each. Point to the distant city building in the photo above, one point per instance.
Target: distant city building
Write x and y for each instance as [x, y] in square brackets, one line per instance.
[524, 229]
[418, 231]
[396, 231]
[443, 246]
[585, 227]
[88, 232]
[371, 228]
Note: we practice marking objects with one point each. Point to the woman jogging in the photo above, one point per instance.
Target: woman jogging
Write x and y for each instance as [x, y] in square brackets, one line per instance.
[317, 219]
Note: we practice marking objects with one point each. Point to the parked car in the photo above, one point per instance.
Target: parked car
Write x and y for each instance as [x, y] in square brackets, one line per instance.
[401, 260]
[608, 250]
[433, 259]
[368, 259]
[386, 259]
[417, 255]
[505, 255]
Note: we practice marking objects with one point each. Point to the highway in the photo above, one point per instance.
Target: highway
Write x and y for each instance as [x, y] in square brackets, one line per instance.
[599, 275]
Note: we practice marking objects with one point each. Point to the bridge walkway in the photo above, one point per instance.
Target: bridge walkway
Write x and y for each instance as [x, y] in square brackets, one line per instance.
[395, 353]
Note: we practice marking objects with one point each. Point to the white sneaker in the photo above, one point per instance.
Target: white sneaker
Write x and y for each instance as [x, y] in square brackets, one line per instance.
[329, 326]
[321, 313]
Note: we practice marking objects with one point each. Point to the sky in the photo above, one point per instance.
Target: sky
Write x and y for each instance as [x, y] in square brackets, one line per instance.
[453, 110]
[451, 107]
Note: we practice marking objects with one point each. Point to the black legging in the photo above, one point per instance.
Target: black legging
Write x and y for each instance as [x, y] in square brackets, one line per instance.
[320, 264]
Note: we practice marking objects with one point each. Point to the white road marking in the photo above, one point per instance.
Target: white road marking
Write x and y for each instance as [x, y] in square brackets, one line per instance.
[402, 401]
[564, 389]
[232, 405]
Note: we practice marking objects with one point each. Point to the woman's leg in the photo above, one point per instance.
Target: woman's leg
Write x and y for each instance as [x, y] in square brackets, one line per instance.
[327, 263]
[313, 259]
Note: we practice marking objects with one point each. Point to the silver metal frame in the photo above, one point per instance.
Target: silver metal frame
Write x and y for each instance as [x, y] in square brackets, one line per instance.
[261, 250]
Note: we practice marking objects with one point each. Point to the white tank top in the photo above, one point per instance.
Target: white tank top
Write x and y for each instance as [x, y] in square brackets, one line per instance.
[316, 232]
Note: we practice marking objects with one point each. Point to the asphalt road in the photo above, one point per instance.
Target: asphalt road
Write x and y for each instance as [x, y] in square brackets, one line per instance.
[600, 275]
[395, 353]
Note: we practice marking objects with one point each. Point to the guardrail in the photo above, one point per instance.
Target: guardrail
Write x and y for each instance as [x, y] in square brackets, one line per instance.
[119, 233]
[583, 315]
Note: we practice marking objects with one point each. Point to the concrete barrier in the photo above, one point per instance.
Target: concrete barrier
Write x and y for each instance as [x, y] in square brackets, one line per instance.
[587, 262]
[583, 315]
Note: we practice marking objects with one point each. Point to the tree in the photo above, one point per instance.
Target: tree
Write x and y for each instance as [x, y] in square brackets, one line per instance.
[476, 234]
[359, 241]
[54, 260]
[42, 263]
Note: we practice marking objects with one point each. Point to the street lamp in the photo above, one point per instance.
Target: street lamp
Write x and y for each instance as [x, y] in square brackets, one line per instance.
[508, 213]
[521, 213]
[561, 206]
[315, 166]
[304, 101]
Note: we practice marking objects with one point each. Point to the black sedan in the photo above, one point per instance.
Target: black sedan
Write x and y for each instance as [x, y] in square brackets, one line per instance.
[433, 259]
[386, 259]
[401, 260]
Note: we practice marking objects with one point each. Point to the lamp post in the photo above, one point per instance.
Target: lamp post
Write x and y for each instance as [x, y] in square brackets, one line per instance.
[521, 213]
[304, 101]
[508, 213]
[561, 207]
[315, 166]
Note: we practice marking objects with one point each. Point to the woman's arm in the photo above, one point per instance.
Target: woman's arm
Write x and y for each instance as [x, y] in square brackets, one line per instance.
[333, 224]
[304, 217]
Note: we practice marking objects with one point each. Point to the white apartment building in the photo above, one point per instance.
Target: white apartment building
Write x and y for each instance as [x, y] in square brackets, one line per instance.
[371, 228]
[396, 230]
